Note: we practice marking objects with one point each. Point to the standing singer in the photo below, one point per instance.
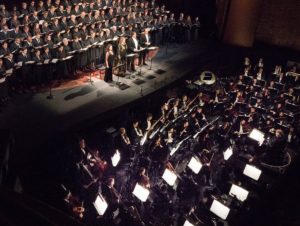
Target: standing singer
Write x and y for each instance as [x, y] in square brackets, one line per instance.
[109, 59]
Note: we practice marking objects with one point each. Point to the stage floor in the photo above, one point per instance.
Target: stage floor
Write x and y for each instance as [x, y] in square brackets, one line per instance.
[32, 117]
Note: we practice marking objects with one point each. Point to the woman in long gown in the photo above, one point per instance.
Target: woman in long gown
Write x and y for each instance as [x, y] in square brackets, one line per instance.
[109, 59]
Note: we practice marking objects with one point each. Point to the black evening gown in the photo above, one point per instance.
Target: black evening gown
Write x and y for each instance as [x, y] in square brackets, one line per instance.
[109, 70]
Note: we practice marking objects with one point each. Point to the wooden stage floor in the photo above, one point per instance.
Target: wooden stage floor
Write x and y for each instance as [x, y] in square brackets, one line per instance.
[33, 118]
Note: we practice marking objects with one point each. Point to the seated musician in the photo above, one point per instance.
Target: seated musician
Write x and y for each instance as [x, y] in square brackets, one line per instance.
[240, 80]
[260, 74]
[253, 116]
[217, 98]
[206, 158]
[159, 152]
[205, 141]
[111, 195]
[185, 130]
[74, 206]
[193, 121]
[281, 78]
[239, 97]
[247, 62]
[83, 154]
[136, 132]
[202, 99]
[124, 139]
[201, 116]
[97, 163]
[142, 178]
[170, 136]
[149, 122]
[175, 109]
[241, 129]
[164, 112]
[184, 102]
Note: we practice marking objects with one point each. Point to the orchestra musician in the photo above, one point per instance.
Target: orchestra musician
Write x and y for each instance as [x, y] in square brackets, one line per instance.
[185, 130]
[241, 129]
[175, 109]
[206, 158]
[200, 116]
[193, 121]
[111, 195]
[170, 136]
[124, 139]
[74, 205]
[136, 132]
[142, 178]
[159, 152]
[149, 122]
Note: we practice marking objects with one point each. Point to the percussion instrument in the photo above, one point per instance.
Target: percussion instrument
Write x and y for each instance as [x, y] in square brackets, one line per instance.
[208, 78]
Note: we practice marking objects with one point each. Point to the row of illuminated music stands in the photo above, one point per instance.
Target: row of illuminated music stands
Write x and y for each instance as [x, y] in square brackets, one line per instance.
[170, 177]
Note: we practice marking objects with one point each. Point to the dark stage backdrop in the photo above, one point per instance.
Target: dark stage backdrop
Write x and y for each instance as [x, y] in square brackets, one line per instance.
[279, 23]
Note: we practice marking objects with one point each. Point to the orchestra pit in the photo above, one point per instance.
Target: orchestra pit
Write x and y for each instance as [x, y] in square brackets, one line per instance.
[149, 112]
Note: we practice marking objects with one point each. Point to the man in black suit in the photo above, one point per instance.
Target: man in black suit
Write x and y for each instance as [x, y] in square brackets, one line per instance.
[145, 43]
[133, 47]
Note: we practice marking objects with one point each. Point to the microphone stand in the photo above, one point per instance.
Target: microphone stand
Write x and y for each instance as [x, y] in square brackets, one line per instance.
[50, 96]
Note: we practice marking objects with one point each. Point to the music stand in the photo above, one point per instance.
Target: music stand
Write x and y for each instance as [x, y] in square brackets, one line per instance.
[141, 63]
[90, 78]
[116, 158]
[50, 96]
[219, 209]
[100, 205]
[170, 177]
[128, 57]
[141, 192]
[252, 172]
[187, 223]
[257, 135]
[228, 153]
[238, 192]
[195, 165]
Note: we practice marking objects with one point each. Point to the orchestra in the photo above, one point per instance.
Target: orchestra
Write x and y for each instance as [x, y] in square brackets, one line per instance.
[190, 125]
[58, 39]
